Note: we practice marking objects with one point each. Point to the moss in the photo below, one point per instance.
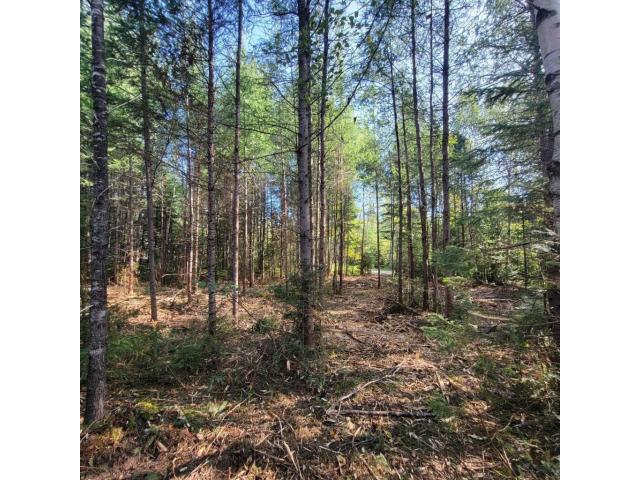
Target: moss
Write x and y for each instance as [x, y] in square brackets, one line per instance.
[146, 410]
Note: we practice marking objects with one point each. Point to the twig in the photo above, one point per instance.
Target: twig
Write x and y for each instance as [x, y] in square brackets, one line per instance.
[292, 458]
[197, 468]
[369, 468]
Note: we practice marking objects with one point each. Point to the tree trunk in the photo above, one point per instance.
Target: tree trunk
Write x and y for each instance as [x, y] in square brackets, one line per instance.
[251, 243]
[284, 223]
[97, 372]
[362, 265]
[410, 259]
[377, 231]
[335, 246]
[524, 250]
[509, 213]
[190, 214]
[342, 230]
[303, 155]
[263, 229]
[323, 110]
[235, 215]
[432, 167]
[393, 236]
[146, 135]
[195, 271]
[446, 214]
[399, 169]
[423, 193]
[211, 156]
[131, 231]
[547, 23]
[245, 236]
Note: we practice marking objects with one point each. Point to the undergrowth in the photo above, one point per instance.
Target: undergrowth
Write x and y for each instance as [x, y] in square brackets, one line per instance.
[153, 356]
[449, 334]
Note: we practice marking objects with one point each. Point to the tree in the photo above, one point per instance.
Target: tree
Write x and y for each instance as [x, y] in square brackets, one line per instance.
[410, 257]
[362, 255]
[148, 165]
[423, 193]
[211, 155]
[432, 168]
[446, 209]
[235, 215]
[97, 372]
[323, 113]
[399, 171]
[377, 228]
[303, 156]
[547, 22]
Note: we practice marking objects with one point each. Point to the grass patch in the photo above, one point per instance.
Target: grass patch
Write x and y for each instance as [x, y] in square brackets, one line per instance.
[151, 356]
[439, 406]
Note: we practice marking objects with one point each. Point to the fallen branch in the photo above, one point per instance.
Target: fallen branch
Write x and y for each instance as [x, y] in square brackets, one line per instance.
[362, 386]
[381, 413]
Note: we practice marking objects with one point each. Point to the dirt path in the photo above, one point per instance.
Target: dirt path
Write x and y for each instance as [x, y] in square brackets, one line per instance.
[261, 411]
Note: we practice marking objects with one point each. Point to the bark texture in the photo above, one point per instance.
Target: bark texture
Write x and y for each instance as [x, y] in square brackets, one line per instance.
[546, 17]
[547, 22]
[97, 371]
[303, 156]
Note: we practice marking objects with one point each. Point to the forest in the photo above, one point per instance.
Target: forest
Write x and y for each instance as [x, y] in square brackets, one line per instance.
[319, 239]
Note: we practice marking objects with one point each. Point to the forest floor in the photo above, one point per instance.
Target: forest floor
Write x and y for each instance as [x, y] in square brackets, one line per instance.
[474, 398]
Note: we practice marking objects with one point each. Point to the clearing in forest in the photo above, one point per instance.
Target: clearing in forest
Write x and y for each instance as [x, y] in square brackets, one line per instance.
[390, 394]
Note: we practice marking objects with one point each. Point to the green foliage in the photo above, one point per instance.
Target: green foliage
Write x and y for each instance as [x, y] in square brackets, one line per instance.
[449, 334]
[146, 410]
[265, 325]
[153, 356]
[439, 406]
[462, 301]
[453, 260]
